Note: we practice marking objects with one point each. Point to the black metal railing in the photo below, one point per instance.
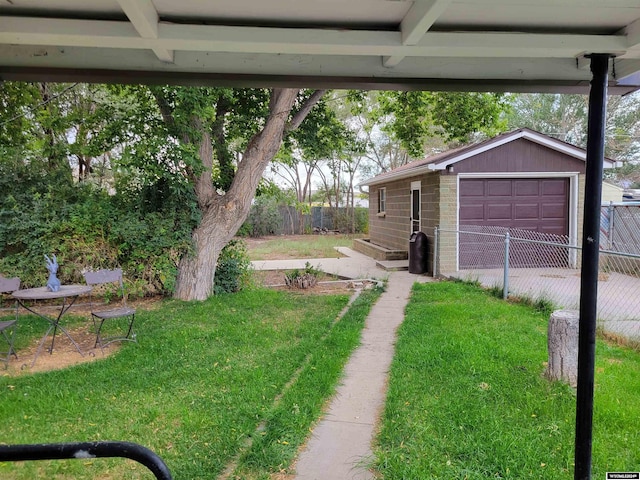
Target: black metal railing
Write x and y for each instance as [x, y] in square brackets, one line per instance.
[84, 450]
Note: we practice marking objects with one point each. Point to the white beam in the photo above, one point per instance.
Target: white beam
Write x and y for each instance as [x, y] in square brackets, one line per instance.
[301, 41]
[418, 20]
[390, 62]
[632, 31]
[144, 17]
[478, 74]
[556, 3]
[583, 62]
[625, 68]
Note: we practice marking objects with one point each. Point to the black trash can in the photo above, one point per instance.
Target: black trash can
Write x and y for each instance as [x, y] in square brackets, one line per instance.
[418, 253]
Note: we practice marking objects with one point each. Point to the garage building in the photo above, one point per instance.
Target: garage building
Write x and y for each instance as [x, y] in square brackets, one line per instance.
[520, 180]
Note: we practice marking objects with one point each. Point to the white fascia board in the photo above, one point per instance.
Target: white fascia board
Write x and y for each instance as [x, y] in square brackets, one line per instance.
[421, 170]
[519, 175]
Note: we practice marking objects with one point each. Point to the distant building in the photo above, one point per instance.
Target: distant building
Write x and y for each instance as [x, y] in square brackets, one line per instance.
[611, 193]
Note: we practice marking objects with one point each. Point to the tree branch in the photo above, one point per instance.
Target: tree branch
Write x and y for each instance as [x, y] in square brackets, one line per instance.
[165, 110]
[301, 114]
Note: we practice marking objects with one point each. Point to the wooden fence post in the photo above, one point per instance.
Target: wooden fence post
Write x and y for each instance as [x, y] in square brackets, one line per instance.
[562, 342]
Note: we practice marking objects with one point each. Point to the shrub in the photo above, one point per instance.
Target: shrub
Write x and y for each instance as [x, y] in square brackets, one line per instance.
[303, 279]
[143, 229]
[232, 270]
[362, 220]
[265, 217]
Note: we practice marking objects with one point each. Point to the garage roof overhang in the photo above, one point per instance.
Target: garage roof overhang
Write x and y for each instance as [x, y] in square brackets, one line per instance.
[443, 161]
[481, 45]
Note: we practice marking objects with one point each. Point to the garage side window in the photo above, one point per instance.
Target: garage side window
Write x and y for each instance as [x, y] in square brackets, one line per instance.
[382, 200]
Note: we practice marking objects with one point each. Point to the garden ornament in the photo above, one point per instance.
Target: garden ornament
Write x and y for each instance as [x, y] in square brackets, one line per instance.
[53, 284]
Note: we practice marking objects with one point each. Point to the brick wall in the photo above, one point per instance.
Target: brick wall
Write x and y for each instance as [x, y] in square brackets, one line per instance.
[430, 209]
[448, 188]
[391, 229]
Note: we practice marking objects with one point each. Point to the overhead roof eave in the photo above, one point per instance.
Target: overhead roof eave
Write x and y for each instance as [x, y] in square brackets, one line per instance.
[458, 45]
[243, 80]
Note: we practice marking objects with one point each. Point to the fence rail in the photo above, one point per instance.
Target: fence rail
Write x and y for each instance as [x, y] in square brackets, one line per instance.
[538, 267]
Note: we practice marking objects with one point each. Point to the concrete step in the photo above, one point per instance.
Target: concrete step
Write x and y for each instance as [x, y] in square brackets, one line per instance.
[393, 265]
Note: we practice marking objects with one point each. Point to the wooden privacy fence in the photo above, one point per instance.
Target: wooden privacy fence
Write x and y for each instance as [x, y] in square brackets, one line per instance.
[344, 220]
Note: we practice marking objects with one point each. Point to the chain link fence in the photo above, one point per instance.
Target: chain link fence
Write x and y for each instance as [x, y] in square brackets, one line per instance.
[542, 268]
[620, 227]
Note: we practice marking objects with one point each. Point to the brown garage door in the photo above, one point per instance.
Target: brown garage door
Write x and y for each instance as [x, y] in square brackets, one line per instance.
[536, 204]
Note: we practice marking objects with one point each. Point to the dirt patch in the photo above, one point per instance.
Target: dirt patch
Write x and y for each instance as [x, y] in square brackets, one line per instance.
[257, 243]
[64, 352]
[327, 284]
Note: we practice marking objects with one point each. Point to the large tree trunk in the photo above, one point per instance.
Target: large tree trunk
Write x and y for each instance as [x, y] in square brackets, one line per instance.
[197, 269]
[223, 214]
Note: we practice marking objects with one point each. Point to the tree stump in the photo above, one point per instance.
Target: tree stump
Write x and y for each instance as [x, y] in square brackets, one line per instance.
[562, 342]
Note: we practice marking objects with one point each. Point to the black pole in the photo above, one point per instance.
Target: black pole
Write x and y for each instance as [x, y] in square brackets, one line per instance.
[590, 260]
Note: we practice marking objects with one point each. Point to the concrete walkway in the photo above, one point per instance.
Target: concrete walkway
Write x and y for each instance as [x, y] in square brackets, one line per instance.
[340, 444]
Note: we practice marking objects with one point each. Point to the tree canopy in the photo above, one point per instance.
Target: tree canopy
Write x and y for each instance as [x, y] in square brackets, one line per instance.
[565, 117]
[162, 177]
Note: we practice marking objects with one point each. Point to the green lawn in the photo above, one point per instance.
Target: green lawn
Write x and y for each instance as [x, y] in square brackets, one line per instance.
[307, 246]
[468, 399]
[195, 388]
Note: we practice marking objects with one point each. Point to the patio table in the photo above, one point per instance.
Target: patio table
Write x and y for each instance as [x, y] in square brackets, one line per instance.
[68, 294]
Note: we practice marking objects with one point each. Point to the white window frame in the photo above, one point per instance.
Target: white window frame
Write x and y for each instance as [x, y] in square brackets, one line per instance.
[416, 186]
[382, 201]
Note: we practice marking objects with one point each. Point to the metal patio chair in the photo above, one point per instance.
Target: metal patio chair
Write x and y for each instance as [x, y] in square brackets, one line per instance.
[100, 316]
[8, 327]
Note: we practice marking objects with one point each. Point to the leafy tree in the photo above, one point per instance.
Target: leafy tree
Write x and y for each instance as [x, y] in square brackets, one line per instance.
[560, 116]
[218, 142]
[381, 151]
[46, 132]
[64, 126]
[196, 152]
[416, 117]
[16, 102]
[565, 117]
[264, 217]
[397, 127]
